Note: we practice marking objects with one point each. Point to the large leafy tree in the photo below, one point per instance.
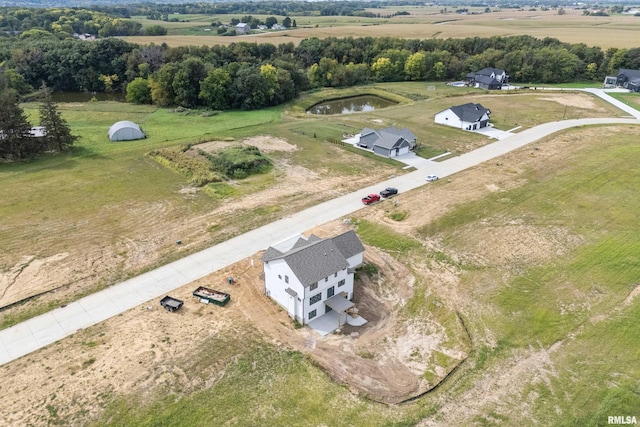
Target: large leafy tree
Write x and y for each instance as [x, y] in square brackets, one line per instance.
[214, 89]
[139, 91]
[57, 131]
[415, 67]
[186, 82]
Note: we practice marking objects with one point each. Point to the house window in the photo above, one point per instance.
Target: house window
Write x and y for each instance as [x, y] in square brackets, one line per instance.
[341, 283]
[312, 314]
[330, 291]
[326, 279]
[335, 274]
[286, 279]
[314, 299]
[280, 276]
[313, 287]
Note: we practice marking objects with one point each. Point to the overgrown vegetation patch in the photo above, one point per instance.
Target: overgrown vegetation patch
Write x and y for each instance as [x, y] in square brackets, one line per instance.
[201, 168]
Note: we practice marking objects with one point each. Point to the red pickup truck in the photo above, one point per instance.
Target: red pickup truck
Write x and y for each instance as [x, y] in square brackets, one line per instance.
[371, 198]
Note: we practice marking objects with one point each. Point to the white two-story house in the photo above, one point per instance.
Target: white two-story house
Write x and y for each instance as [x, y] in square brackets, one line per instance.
[312, 276]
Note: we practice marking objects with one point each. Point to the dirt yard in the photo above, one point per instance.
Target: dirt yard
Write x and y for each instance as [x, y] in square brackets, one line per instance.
[384, 359]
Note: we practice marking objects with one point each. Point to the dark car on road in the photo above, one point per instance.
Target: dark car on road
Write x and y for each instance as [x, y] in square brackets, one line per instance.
[388, 192]
[371, 198]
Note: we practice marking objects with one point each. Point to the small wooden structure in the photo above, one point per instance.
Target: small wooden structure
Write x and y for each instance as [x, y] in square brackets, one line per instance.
[170, 303]
[212, 296]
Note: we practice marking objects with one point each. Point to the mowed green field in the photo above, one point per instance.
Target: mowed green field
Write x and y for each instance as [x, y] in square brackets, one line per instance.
[616, 31]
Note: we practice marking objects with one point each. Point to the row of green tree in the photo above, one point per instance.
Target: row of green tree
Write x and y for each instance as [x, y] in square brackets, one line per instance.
[64, 22]
[251, 75]
[19, 140]
[280, 8]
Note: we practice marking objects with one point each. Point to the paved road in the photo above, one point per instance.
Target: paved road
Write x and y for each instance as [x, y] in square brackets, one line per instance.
[50, 327]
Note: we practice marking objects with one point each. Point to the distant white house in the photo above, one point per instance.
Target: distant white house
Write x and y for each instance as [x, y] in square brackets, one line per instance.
[243, 28]
[312, 276]
[467, 116]
[86, 36]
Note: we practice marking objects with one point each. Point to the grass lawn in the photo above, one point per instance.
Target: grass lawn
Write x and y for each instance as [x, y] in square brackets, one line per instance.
[264, 386]
[574, 300]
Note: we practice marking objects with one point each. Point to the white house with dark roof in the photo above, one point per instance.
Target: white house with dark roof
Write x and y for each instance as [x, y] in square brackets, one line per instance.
[309, 277]
[467, 116]
[388, 142]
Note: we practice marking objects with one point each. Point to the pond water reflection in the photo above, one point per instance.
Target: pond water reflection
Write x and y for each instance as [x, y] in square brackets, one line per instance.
[354, 104]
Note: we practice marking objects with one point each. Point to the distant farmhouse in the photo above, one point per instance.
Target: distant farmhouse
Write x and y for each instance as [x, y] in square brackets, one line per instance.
[629, 79]
[488, 78]
[467, 116]
[243, 28]
[388, 142]
[314, 276]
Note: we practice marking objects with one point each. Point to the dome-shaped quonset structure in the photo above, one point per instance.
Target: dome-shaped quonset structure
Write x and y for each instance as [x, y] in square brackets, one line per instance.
[125, 131]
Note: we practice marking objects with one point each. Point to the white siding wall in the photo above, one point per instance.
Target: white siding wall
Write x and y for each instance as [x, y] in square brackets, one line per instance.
[355, 260]
[448, 118]
[275, 287]
[323, 286]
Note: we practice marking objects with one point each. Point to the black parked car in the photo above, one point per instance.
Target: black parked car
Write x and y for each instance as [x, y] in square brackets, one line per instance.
[388, 192]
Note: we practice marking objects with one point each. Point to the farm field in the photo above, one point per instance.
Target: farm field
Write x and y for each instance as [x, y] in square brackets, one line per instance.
[616, 31]
[535, 253]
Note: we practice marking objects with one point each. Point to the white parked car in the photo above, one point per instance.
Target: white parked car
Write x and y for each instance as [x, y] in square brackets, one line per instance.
[432, 178]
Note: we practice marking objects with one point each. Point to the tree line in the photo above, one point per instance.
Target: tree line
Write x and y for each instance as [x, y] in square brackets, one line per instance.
[64, 22]
[255, 75]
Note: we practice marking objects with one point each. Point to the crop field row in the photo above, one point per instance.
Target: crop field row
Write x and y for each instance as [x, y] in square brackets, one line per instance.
[616, 31]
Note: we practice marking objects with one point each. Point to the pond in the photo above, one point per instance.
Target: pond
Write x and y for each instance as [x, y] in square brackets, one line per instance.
[350, 105]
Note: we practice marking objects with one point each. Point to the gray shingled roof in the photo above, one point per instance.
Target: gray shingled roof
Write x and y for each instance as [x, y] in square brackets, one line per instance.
[488, 80]
[629, 74]
[488, 71]
[313, 263]
[348, 244]
[314, 259]
[405, 133]
[469, 112]
[388, 140]
[270, 254]
[305, 242]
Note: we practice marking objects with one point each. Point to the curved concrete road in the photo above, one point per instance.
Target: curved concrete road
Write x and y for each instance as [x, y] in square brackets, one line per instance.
[47, 328]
